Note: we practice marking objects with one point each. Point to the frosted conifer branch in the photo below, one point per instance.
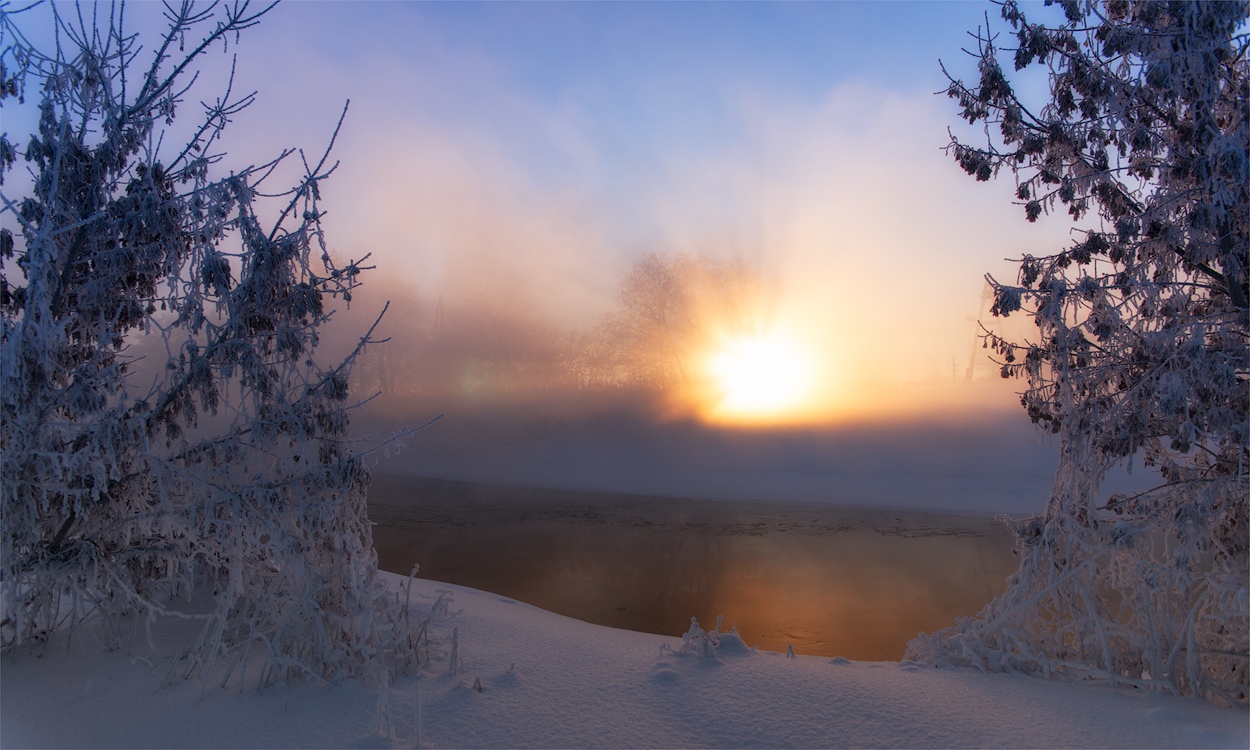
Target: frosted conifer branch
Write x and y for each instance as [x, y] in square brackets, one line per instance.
[1142, 350]
[224, 465]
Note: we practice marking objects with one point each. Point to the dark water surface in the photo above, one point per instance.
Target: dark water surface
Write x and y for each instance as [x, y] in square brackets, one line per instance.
[830, 581]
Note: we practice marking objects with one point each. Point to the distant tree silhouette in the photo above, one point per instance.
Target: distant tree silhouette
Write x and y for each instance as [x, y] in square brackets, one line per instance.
[490, 345]
[393, 369]
[668, 308]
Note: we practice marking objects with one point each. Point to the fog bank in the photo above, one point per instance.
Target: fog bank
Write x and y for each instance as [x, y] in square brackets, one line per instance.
[978, 462]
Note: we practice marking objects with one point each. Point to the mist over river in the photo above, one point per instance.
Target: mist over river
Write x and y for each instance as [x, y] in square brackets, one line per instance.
[831, 581]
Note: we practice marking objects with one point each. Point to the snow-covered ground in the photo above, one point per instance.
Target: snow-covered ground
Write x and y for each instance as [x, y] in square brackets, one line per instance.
[550, 681]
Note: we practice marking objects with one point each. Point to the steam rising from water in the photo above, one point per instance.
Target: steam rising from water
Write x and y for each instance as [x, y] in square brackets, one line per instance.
[866, 232]
[872, 243]
[502, 225]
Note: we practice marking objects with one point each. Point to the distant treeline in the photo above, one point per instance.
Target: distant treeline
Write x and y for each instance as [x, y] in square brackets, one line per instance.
[668, 311]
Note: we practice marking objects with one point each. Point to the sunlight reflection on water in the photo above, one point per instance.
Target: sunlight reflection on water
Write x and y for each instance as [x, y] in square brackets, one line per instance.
[846, 582]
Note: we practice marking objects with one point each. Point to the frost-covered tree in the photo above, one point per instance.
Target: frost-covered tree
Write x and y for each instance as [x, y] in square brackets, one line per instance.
[223, 468]
[1141, 347]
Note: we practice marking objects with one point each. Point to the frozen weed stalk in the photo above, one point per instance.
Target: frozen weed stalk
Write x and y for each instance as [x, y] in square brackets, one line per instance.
[227, 468]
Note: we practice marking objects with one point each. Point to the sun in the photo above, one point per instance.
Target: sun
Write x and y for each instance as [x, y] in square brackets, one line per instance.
[760, 377]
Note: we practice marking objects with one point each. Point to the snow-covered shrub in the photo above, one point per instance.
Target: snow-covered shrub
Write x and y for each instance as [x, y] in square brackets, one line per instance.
[1142, 349]
[706, 644]
[227, 465]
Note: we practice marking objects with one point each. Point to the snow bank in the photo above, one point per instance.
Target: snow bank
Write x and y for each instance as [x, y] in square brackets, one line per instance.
[550, 681]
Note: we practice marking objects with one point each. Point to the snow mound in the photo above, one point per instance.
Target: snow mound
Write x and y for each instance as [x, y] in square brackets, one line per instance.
[708, 644]
[530, 678]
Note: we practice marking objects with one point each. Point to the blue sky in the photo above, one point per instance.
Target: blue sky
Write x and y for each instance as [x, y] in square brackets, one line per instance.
[642, 79]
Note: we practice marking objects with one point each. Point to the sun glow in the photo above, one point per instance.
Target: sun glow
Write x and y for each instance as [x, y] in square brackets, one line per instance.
[760, 378]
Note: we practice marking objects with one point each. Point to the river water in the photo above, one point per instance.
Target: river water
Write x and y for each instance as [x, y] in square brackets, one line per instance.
[829, 581]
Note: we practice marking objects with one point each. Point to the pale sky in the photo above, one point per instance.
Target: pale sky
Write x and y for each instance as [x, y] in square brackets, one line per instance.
[542, 146]
[530, 151]
[527, 153]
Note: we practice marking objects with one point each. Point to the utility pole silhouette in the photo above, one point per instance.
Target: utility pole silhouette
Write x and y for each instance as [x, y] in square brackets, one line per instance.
[987, 296]
[440, 319]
